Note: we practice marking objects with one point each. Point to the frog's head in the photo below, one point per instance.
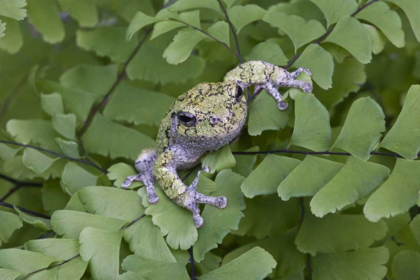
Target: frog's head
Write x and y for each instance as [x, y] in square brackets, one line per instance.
[210, 111]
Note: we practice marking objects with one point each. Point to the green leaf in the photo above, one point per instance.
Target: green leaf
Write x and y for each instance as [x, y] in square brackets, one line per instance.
[406, 265]
[182, 46]
[75, 177]
[101, 248]
[43, 14]
[219, 222]
[338, 233]
[308, 178]
[33, 131]
[388, 21]
[107, 138]
[347, 78]
[320, 62]
[13, 9]
[312, 124]
[111, 202]
[175, 223]
[265, 115]
[356, 180]
[13, 42]
[69, 148]
[219, 160]
[137, 105]
[61, 249]
[205, 185]
[362, 129]
[299, 30]
[65, 125]
[403, 138]
[281, 247]
[75, 101]
[96, 80]
[397, 194]
[119, 172]
[84, 11]
[10, 222]
[130, 276]
[415, 228]
[410, 7]
[38, 222]
[240, 16]
[220, 30]
[149, 65]
[268, 216]
[24, 261]
[8, 274]
[268, 51]
[183, 5]
[352, 36]
[363, 264]
[107, 41]
[162, 27]
[254, 264]
[7, 152]
[378, 39]
[69, 224]
[37, 161]
[146, 241]
[268, 175]
[139, 21]
[152, 269]
[52, 104]
[335, 10]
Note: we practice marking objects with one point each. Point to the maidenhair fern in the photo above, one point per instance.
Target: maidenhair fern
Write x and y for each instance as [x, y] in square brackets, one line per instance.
[327, 189]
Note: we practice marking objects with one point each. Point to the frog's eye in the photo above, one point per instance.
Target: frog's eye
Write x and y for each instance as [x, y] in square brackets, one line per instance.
[187, 119]
[239, 93]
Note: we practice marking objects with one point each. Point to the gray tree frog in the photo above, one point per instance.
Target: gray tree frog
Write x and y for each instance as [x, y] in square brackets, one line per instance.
[200, 121]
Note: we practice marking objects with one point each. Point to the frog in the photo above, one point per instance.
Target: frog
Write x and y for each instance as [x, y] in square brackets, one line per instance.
[200, 121]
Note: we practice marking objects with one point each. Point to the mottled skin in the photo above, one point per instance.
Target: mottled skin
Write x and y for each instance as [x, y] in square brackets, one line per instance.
[202, 120]
[267, 76]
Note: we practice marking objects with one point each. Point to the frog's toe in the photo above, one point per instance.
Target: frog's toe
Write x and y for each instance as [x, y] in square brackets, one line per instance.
[198, 220]
[206, 169]
[283, 106]
[221, 202]
[307, 87]
[307, 71]
[153, 199]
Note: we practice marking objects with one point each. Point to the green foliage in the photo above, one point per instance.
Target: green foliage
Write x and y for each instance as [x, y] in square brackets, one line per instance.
[326, 189]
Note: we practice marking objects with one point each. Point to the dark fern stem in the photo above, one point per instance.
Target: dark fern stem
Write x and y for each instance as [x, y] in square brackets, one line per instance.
[190, 251]
[27, 211]
[308, 256]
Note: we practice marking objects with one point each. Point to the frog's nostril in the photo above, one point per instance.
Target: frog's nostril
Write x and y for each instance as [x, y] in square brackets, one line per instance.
[214, 120]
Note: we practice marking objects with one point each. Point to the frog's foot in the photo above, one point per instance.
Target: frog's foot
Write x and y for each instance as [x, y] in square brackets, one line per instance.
[192, 198]
[300, 70]
[129, 180]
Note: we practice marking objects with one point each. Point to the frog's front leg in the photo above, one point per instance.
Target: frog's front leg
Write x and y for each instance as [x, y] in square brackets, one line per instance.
[177, 191]
[276, 95]
[144, 164]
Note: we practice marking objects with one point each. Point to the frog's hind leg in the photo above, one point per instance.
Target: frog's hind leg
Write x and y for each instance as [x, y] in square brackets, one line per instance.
[193, 198]
[277, 96]
[144, 164]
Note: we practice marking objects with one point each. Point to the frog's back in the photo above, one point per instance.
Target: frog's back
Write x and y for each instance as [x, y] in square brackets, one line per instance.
[252, 72]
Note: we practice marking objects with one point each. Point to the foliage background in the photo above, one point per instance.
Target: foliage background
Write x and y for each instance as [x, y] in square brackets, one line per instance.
[328, 189]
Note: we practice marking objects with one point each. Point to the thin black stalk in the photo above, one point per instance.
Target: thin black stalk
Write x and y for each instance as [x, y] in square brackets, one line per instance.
[190, 251]
[325, 35]
[33, 213]
[56, 154]
[18, 182]
[232, 28]
[312, 153]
